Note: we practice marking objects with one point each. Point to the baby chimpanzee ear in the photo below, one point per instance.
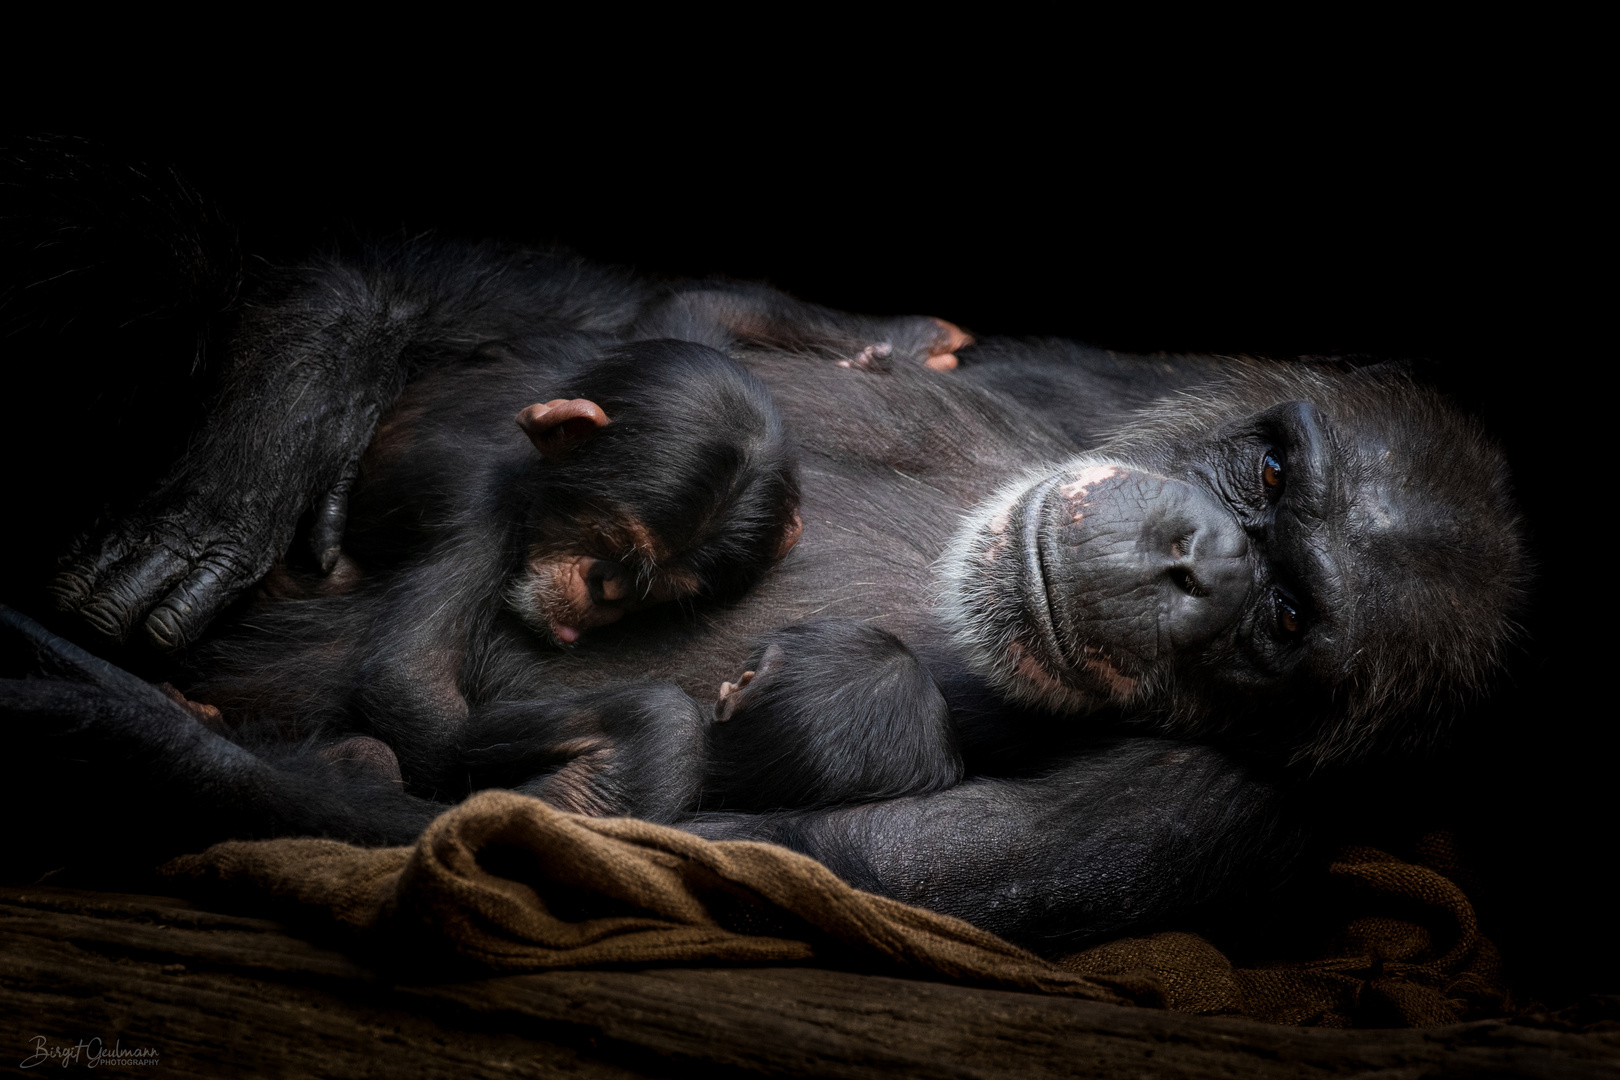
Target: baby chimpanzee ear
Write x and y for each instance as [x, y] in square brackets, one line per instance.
[790, 536]
[558, 426]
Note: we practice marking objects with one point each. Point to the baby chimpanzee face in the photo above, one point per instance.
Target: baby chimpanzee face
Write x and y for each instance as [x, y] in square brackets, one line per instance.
[667, 476]
[564, 593]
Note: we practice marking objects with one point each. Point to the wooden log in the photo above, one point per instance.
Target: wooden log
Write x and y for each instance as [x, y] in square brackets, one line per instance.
[219, 995]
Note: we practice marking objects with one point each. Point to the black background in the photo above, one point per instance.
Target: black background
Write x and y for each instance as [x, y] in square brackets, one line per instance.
[1451, 224]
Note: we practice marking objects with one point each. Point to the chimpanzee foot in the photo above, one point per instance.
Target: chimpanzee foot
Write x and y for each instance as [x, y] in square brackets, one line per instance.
[206, 715]
[635, 750]
[360, 757]
[289, 583]
[581, 787]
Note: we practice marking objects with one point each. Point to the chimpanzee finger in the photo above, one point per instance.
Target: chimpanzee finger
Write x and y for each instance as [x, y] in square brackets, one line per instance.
[124, 595]
[326, 534]
[192, 605]
[87, 560]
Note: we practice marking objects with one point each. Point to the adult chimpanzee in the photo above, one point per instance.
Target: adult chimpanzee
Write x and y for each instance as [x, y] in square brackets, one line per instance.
[1271, 566]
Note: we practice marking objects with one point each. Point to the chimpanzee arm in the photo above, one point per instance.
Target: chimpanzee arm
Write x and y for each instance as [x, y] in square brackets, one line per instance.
[311, 364]
[95, 752]
[1135, 833]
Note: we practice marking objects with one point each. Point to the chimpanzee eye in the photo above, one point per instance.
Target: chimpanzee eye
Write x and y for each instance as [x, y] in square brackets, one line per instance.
[1271, 473]
[1288, 620]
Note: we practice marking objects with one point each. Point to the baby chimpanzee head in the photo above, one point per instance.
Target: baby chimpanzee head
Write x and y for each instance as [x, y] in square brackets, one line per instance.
[664, 473]
[828, 712]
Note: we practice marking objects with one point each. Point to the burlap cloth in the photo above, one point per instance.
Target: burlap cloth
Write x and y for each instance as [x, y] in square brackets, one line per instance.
[504, 883]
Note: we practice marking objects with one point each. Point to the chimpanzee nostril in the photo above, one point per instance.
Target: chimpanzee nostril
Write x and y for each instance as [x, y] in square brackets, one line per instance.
[606, 581]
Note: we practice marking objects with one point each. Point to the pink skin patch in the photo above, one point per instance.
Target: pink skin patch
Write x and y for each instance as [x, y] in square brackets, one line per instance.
[941, 351]
[563, 596]
[1088, 478]
[1075, 490]
[998, 529]
[1027, 666]
[725, 706]
[556, 426]
[1098, 663]
[559, 593]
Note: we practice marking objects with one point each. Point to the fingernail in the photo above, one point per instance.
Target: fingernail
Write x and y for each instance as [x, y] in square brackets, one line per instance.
[163, 627]
[70, 591]
[105, 620]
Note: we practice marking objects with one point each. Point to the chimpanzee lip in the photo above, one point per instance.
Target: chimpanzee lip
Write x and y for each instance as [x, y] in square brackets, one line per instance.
[1085, 674]
[1046, 650]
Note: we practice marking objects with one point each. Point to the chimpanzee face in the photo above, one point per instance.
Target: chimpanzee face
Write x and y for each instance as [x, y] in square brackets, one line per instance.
[563, 594]
[1265, 562]
[671, 480]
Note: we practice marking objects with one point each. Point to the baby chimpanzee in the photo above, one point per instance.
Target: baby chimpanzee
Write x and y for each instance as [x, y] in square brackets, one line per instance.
[656, 471]
[829, 712]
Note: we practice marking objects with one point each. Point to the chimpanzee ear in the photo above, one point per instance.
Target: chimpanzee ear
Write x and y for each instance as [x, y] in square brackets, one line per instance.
[558, 426]
[790, 536]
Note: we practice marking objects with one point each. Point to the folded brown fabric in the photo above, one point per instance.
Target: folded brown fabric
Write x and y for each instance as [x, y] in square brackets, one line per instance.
[507, 882]
[1401, 947]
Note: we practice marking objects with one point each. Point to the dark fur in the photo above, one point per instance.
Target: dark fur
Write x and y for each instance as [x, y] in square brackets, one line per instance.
[1126, 834]
[452, 501]
[1395, 535]
[833, 712]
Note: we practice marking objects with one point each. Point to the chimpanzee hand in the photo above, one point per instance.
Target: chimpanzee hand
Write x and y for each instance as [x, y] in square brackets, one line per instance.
[929, 341]
[218, 522]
